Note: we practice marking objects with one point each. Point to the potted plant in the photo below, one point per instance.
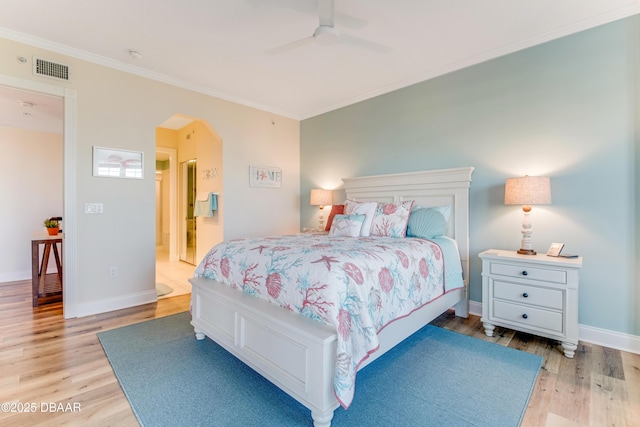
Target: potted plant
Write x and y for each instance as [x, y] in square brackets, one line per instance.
[53, 227]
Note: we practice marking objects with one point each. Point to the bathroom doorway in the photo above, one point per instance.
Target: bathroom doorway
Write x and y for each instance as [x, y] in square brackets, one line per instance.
[188, 162]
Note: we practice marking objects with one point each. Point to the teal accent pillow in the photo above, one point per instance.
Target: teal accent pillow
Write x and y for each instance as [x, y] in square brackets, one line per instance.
[426, 223]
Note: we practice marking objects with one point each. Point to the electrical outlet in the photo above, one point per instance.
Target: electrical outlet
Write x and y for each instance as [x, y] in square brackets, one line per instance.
[113, 272]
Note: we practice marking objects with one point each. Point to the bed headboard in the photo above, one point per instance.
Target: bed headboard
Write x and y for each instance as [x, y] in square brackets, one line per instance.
[428, 188]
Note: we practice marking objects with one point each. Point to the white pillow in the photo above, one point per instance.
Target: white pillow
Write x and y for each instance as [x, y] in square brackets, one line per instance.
[364, 208]
[391, 219]
[346, 225]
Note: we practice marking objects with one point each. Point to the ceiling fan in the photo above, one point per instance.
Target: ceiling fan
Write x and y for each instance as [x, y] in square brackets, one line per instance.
[327, 34]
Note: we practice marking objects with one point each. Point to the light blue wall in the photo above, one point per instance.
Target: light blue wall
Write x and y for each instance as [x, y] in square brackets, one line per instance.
[567, 109]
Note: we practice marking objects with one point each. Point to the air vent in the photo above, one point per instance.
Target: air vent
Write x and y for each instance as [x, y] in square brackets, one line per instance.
[42, 67]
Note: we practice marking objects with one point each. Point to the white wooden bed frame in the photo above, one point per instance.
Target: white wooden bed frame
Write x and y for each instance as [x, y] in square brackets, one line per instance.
[297, 353]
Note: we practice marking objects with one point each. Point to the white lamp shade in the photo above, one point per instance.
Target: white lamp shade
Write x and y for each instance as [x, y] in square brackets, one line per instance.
[321, 197]
[528, 190]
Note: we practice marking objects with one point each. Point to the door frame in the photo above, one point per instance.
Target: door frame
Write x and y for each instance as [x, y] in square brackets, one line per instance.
[183, 197]
[69, 243]
[173, 215]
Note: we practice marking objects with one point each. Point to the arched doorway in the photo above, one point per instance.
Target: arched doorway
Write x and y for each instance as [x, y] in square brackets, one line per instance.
[189, 144]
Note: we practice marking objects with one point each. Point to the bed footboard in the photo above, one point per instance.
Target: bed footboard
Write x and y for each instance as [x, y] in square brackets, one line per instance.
[293, 352]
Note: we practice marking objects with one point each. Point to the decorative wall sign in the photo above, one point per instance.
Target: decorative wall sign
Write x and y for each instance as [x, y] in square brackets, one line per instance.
[114, 163]
[265, 176]
[210, 173]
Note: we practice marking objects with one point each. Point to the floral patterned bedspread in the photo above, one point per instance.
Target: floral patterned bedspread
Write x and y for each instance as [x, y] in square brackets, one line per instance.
[358, 285]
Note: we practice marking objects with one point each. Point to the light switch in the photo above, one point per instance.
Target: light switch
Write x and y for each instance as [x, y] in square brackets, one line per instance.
[93, 208]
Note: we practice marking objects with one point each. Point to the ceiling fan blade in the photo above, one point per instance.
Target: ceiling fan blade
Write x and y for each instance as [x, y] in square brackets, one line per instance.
[326, 10]
[290, 46]
[363, 44]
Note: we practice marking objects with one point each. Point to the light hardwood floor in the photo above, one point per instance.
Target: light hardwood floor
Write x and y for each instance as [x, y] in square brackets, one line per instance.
[44, 358]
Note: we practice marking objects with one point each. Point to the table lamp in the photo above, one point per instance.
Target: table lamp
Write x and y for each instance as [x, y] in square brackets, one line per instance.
[527, 191]
[321, 198]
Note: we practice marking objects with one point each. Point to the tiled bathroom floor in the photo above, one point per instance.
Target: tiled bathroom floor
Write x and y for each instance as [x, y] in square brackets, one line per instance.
[174, 274]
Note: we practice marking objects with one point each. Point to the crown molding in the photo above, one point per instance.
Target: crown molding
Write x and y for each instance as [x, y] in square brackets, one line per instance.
[132, 69]
[630, 9]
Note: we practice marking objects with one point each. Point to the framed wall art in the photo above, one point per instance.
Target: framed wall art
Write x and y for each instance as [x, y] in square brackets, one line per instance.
[265, 176]
[116, 163]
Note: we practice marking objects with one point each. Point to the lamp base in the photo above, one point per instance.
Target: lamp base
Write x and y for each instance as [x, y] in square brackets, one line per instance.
[526, 252]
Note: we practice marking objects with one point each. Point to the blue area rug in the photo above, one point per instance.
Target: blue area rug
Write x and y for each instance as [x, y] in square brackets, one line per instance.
[434, 378]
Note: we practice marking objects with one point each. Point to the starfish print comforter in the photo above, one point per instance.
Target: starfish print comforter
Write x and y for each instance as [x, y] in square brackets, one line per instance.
[358, 285]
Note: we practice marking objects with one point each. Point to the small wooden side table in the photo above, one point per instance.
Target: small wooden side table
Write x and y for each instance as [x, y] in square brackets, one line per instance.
[39, 271]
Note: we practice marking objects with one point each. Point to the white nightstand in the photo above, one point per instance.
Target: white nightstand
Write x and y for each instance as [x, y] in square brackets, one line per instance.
[537, 294]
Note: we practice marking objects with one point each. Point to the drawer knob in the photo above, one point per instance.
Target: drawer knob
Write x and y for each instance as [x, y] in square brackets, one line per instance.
[524, 273]
[524, 316]
[525, 295]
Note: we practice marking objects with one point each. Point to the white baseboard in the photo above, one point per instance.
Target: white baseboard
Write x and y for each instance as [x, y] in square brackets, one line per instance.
[111, 304]
[15, 276]
[475, 308]
[604, 337]
[607, 338]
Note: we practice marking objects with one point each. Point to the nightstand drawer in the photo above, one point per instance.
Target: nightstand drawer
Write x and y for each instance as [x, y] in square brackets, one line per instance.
[531, 295]
[528, 316]
[527, 272]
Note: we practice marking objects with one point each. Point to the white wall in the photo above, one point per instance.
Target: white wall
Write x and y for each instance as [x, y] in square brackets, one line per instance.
[120, 110]
[31, 189]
